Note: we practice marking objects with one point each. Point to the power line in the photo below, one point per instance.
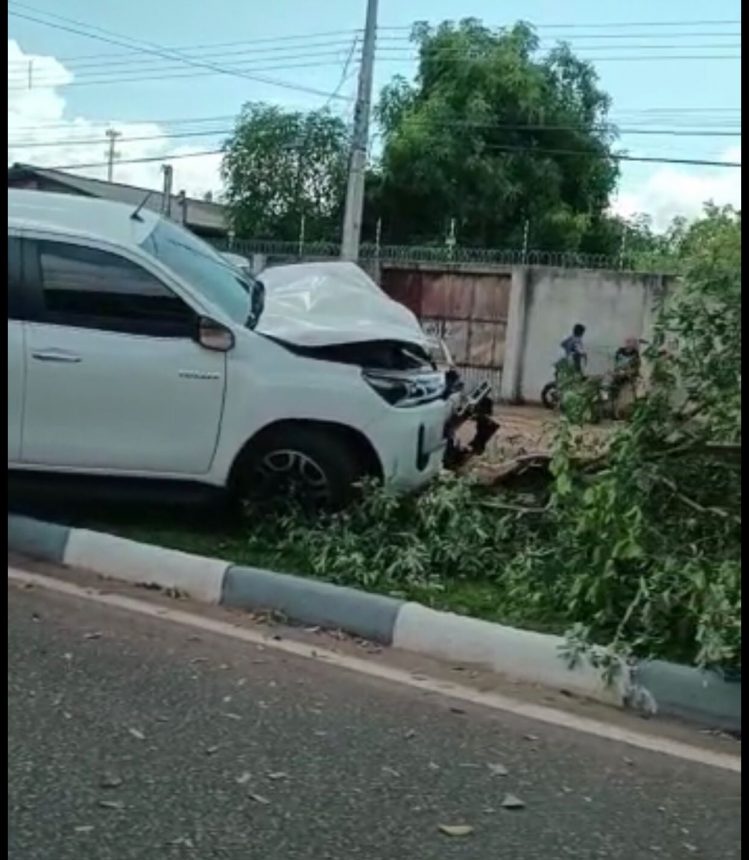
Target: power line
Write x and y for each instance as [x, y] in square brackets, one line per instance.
[33, 144]
[640, 115]
[115, 75]
[616, 24]
[96, 61]
[103, 72]
[499, 148]
[251, 72]
[72, 26]
[617, 157]
[347, 34]
[263, 55]
[144, 160]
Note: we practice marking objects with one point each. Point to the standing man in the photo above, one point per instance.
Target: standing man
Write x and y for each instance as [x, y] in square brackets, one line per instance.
[574, 351]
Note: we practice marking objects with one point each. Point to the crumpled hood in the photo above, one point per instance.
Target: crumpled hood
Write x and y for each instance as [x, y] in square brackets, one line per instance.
[322, 304]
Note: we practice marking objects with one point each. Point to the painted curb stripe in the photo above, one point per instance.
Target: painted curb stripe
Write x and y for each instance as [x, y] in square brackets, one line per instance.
[43, 541]
[519, 654]
[310, 601]
[681, 691]
[119, 558]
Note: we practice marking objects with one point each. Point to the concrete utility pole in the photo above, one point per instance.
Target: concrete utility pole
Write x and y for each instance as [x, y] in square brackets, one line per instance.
[358, 165]
[111, 152]
[166, 201]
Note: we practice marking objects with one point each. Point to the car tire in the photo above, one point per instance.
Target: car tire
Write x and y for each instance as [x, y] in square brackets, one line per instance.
[319, 468]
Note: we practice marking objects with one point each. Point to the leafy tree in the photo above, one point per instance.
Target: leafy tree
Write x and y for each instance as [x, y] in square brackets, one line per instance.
[489, 134]
[281, 166]
[648, 550]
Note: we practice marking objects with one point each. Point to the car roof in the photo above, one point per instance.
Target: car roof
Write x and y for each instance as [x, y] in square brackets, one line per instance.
[71, 214]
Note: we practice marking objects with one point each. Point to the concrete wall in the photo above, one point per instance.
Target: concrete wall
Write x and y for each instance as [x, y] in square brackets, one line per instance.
[504, 324]
[546, 303]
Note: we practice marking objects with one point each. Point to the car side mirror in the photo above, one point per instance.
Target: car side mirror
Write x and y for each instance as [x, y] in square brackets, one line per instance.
[214, 336]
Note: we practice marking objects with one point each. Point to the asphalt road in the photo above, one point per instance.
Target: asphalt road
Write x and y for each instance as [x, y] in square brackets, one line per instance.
[133, 738]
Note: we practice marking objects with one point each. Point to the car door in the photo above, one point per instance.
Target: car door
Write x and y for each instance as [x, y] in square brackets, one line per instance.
[16, 350]
[115, 380]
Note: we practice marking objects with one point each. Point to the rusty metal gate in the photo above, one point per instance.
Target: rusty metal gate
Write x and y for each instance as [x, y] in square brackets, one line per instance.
[466, 306]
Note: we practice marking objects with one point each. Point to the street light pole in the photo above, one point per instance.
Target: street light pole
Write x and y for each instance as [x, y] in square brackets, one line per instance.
[352, 219]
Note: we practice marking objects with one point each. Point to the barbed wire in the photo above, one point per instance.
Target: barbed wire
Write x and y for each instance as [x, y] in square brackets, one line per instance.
[279, 252]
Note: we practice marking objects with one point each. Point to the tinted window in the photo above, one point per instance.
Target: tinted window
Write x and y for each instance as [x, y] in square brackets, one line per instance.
[95, 289]
[203, 269]
[14, 280]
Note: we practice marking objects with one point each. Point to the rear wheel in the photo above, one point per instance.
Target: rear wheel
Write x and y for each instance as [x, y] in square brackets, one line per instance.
[317, 468]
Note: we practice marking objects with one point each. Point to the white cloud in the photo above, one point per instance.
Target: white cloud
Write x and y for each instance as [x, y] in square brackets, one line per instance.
[38, 115]
[670, 191]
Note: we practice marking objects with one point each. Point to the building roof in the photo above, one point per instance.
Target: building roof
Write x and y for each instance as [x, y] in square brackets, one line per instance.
[201, 214]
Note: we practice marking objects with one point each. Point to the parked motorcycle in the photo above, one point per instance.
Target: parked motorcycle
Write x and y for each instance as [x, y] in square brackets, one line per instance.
[607, 388]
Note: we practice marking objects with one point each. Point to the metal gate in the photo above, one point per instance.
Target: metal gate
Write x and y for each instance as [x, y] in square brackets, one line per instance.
[466, 307]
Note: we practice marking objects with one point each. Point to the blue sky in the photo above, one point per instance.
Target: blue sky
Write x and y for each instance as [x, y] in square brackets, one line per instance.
[707, 91]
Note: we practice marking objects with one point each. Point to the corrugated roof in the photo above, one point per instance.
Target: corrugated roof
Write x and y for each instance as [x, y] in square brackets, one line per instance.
[200, 213]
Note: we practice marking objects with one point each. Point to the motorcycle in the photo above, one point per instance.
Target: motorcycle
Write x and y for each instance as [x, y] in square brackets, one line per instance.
[607, 388]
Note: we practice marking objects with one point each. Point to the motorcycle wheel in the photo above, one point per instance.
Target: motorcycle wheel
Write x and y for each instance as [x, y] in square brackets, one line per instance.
[550, 395]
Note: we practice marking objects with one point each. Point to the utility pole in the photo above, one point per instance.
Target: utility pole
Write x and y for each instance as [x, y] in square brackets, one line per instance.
[111, 152]
[352, 218]
[166, 201]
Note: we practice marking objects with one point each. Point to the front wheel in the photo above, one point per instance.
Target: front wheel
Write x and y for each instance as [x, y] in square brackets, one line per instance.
[550, 395]
[314, 467]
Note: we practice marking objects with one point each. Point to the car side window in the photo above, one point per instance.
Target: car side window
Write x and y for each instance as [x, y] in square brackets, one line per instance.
[89, 288]
[15, 299]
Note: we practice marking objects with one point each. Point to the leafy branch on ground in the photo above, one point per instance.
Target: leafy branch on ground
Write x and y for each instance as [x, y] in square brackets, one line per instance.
[639, 551]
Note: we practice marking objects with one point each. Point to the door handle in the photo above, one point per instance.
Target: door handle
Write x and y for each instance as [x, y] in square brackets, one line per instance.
[58, 355]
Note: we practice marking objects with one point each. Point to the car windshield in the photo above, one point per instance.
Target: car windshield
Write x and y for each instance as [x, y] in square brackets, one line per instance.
[236, 294]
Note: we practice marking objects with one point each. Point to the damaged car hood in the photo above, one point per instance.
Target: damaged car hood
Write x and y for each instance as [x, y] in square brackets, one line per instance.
[323, 304]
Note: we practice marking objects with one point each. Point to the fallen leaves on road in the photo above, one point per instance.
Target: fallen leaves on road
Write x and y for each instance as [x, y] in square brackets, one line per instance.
[244, 778]
[95, 634]
[510, 801]
[497, 770]
[112, 804]
[258, 798]
[137, 734]
[456, 829]
[279, 774]
[84, 828]
[110, 780]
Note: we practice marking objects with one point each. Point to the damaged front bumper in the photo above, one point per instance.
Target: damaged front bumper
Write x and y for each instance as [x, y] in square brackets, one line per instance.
[474, 408]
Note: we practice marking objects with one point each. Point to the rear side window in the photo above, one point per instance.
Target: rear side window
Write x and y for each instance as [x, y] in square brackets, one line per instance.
[15, 297]
[89, 288]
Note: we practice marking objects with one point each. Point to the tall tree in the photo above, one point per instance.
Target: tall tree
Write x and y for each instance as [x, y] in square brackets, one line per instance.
[281, 166]
[493, 135]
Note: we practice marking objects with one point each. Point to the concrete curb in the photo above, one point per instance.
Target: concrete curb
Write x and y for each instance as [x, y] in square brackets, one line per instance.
[523, 655]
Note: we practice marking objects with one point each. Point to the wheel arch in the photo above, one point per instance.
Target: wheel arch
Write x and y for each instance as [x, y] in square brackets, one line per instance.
[358, 442]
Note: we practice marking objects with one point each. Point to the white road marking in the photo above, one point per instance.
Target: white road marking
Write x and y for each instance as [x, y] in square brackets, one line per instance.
[495, 701]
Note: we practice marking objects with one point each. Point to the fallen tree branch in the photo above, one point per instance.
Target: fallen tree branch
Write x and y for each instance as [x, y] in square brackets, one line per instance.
[694, 505]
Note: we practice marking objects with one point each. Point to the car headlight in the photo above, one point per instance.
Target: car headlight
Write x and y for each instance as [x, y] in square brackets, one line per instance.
[406, 388]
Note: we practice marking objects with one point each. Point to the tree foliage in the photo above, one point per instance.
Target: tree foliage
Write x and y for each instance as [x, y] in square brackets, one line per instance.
[634, 551]
[647, 548]
[488, 135]
[281, 166]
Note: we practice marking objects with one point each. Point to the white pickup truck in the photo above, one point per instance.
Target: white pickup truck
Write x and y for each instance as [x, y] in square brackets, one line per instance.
[136, 351]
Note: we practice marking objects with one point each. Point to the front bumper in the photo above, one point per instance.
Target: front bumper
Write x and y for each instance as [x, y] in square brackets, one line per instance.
[415, 444]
